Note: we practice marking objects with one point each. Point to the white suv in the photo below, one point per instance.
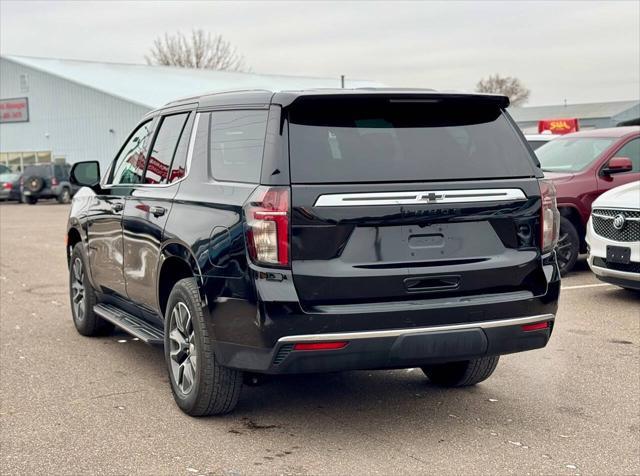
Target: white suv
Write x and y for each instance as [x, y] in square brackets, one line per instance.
[613, 236]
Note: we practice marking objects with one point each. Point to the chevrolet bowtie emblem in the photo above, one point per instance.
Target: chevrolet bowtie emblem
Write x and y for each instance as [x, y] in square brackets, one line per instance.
[431, 197]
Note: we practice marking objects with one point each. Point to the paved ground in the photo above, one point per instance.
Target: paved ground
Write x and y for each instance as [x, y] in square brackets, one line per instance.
[75, 405]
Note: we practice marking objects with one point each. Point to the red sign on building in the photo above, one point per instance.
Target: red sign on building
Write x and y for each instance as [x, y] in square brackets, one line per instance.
[558, 126]
[14, 110]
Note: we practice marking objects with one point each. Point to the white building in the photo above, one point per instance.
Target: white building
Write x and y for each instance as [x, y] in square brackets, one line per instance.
[595, 115]
[83, 110]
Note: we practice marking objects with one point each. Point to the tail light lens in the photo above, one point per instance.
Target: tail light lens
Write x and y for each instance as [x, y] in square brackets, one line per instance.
[550, 216]
[267, 216]
[54, 181]
[7, 185]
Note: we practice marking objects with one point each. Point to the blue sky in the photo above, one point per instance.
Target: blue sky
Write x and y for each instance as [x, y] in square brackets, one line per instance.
[578, 51]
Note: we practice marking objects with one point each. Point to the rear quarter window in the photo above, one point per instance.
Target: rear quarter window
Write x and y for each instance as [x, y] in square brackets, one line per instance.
[365, 140]
[236, 144]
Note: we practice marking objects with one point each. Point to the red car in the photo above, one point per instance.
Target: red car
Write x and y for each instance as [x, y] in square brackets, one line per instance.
[583, 165]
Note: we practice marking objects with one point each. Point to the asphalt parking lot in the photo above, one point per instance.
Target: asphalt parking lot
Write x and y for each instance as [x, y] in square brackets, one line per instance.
[76, 405]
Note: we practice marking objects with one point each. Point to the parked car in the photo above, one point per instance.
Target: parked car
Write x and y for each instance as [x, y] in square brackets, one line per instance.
[538, 140]
[317, 231]
[10, 186]
[47, 181]
[584, 165]
[613, 236]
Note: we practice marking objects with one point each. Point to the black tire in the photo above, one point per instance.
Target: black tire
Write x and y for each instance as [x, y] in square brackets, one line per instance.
[34, 184]
[568, 247]
[65, 196]
[462, 374]
[87, 322]
[200, 386]
[30, 200]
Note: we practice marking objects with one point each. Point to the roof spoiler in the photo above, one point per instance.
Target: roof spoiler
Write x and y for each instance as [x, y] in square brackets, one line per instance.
[287, 98]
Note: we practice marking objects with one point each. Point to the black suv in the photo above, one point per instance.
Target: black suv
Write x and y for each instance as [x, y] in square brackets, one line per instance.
[314, 231]
[46, 181]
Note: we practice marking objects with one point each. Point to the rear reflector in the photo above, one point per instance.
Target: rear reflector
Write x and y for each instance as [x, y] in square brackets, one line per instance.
[536, 327]
[320, 345]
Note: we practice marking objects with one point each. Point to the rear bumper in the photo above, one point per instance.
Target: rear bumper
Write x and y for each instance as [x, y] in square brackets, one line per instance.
[48, 192]
[258, 334]
[392, 348]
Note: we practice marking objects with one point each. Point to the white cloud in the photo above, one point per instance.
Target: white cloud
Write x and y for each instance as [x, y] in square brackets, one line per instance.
[581, 51]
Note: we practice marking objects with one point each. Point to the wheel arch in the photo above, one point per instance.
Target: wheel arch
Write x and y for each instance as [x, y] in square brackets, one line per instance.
[73, 238]
[177, 262]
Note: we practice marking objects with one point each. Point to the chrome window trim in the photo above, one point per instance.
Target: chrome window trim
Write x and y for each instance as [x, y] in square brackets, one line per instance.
[420, 197]
[518, 321]
[192, 140]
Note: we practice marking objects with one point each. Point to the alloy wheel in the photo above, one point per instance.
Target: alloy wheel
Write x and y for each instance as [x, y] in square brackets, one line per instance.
[564, 250]
[77, 290]
[182, 351]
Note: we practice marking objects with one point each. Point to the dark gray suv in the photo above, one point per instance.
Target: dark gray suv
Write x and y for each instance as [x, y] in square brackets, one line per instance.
[47, 181]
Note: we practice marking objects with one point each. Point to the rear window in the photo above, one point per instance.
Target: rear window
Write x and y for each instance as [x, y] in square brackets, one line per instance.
[386, 140]
[38, 171]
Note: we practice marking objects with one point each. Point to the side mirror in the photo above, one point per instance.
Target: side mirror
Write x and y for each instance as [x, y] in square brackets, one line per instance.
[618, 165]
[86, 174]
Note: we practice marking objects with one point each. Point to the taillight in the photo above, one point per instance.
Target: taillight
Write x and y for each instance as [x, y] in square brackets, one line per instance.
[54, 181]
[549, 216]
[267, 215]
[7, 185]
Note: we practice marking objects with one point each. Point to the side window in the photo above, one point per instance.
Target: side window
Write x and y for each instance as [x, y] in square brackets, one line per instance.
[58, 172]
[129, 166]
[237, 142]
[179, 164]
[631, 150]
[164, 148]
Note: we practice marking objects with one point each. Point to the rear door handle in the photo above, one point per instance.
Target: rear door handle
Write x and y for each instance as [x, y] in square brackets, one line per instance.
[117, 207]
[157, 211]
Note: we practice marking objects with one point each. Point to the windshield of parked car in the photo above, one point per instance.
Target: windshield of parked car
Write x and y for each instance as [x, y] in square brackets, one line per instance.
[571, 154]
[372, 140]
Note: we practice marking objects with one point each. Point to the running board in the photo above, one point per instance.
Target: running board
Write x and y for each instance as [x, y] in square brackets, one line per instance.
[135, 326]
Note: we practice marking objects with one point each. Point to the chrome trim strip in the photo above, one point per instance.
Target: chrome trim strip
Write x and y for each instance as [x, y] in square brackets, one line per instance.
[608, 217]
[416, 330]
[420, 198]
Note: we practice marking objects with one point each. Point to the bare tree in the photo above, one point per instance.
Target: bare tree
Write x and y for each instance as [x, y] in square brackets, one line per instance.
[200, 50]
[511, 87]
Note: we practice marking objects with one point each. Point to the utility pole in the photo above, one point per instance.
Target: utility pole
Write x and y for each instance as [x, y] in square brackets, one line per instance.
[342, 81]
